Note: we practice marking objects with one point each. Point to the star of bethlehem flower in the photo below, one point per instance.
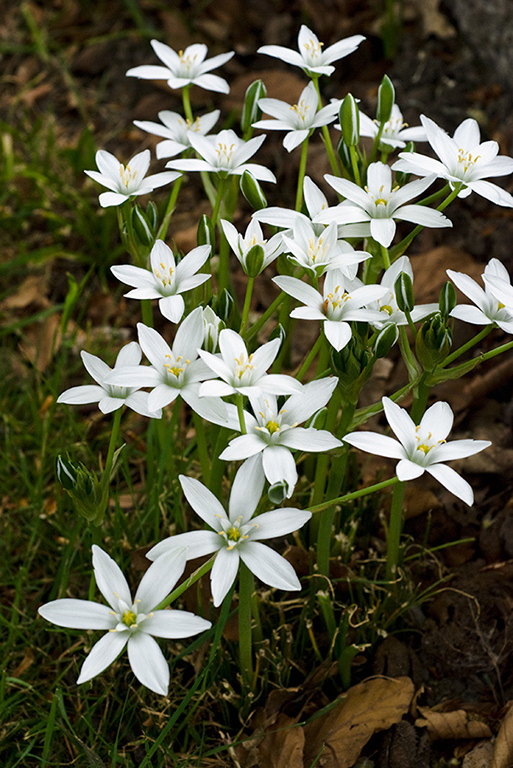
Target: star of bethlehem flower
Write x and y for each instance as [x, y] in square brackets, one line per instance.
[387, 304]
[242, 244]
[244, 373]
[297, 119]
[462, 160]
[338, 305]
[273, 432]
[422, 448]
[174, 371]
[380, 204]
[212, 325]
[488, 307]
[110, 397]
[316, 203]
[126, 181]
[318, 253]
[396, 133]
[188, 67]
[237, 535]
[131, 623]
[167, 280]
[224, 154]
[311, 55]
[176, 130]
[497, 282]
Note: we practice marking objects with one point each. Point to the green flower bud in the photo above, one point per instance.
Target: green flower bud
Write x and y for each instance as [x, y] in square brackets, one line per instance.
[349, 116]
[345, 157]
[213, 325]
[386, 98]
[318, 420]
[433, 342]
[89, 495]
[152, 215]
[254, 260]
[252, 191]
[403, 290]
[222, 305]
[206, 233]
[251, 112]
[278, 333]
[142, 227]
[385, 340]
[278, 492]
[402, 178]
[448, 299]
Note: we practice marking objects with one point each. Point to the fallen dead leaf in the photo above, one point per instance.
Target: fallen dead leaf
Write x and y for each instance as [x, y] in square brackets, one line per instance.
[25, 663]
[340, 735]
[480, 756]
[41, 341]
[282, 746]
[452, 725]
[503, 751]
[31, 291]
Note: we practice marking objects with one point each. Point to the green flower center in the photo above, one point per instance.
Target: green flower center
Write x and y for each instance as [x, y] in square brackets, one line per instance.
[233, 534]
[273, 427]
[129, 618]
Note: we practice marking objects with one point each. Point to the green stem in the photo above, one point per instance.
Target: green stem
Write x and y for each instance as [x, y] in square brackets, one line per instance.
[386, 257]
[308, 360]
[435, 196]
[114, 435]
[394, 531]
[354, 166]
[171, 204]
[377, 140]
[193, 578]
[219, 198]
[326, 134]
[421, 398]
[186, 99]
[412, 366]
[147, 312]
[461, 351]
[247, 304]
[240, 411]
[202, 448]
[354, 495]
[301, 174]
[497, 351]
[266, 315]
[246, 585]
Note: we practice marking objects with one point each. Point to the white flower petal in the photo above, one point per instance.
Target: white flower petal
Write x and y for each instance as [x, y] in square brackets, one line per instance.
[78, 614]
[450, 479]
[110, 579]
[203, 501]
[159, 579]
[279, 522]
[102, 654]
[223, 573]
[148, 663]
[269, 566]
[174, 624]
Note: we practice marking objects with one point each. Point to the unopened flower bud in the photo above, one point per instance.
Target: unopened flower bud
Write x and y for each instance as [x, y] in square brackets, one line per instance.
[252, 191]
[278, 333]
[89, 495]
[403, 290]
[433, 342]
[142, 226]
[205, 234]
[385, 340]
[448, 299]
[223, 304]
[279, 491]
[349, 116]
[212, 325]
[251, 112]
[254, 260]
[386, 98]
[318, 420]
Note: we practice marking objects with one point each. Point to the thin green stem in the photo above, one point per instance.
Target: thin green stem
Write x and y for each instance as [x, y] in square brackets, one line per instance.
[377, 140]
[193, 578]
[186, 99]
[354, 166]
[461, 351]
[326, 134]
[421, 398]
[240, 411]
[301, 174]
[202, 448]
[386, 257]
[394, 531]
[219, 199]
[497, 351]
[354, 495]
[246, 586]
[171, 204]
[247, 305]
[309, 358]
[114, 435]
[266, 315]
[435, 196]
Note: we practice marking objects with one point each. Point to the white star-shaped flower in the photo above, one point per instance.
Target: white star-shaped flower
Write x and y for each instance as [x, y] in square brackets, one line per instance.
[237, 535]
[462, 160]
[396, 133]
[110, 397]
[387, 304]
[188, 67]
[311, 56]
[297, 119]
[337, 306]
[380, 204]
[421, 448]
[224, 154]
[126, 181]
[242, 244]
[176, 130]
[167, 280]
[130, 623]
[489, 308]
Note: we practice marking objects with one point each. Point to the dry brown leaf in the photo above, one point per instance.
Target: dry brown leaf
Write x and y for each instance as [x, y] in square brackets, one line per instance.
[371, 706]
[503, 752]
[282, 746]
[25, 663]
[480, 756]
[41, 341]
[452, 725]
[31, 291]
